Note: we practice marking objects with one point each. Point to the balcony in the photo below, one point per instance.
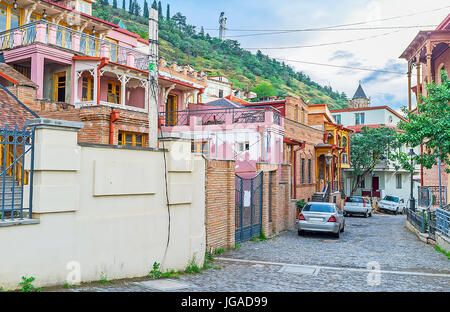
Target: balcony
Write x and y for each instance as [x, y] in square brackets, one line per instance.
[78, 42]
[210, 117]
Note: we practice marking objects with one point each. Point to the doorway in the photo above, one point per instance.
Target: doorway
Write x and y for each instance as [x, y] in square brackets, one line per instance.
[375, 186]
[60, 87]
[171, 110]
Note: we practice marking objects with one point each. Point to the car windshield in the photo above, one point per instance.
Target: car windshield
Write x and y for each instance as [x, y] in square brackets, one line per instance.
[354, 200]
[391, 198]
[318, 208]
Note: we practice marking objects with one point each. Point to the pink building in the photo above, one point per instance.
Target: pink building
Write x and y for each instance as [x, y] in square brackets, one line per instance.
[224, 129]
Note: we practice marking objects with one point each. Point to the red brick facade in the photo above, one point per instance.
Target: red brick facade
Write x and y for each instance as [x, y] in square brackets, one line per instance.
[220, 204]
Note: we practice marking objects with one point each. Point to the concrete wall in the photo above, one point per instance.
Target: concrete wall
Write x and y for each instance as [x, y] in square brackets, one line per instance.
[105, 208]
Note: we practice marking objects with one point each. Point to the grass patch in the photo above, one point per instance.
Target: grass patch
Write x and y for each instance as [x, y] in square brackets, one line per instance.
[219, 251]
[237, 246]
[27, 285]
[217, 267]
[439, 249]
[104, 279]
[193, 267]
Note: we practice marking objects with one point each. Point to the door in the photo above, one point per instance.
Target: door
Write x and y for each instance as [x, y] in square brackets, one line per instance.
[375, 187]
[248, 201]
[60, 87]
[171, 110]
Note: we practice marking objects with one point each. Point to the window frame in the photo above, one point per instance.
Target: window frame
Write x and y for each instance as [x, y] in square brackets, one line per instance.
[116, 90]
[398, 178]
[123, 141]
[90, 87]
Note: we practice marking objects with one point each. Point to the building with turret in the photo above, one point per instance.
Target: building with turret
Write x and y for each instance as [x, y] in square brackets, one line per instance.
[360, 99]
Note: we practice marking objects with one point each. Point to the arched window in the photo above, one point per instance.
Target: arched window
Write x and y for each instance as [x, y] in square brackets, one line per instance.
[344, 142]
[441, 67]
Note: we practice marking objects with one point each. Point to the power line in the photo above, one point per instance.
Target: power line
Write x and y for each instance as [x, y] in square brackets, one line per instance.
[342, 66]
[324, 44]
[350, 24]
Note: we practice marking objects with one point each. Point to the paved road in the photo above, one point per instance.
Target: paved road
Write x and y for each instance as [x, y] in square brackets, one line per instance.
[317, 262]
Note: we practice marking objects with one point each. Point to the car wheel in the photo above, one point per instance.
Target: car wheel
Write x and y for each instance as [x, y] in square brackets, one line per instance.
[365, 214]
[300, 232]
[370, 214]
[403, 211]
[396, 212]
[345, 214]
[338, 234]
[343, 227]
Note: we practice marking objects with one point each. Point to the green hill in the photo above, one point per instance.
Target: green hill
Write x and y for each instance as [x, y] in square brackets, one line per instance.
[184, 44]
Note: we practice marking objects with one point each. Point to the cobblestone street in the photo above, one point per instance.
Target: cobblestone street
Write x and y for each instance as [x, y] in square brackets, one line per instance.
[316, 262]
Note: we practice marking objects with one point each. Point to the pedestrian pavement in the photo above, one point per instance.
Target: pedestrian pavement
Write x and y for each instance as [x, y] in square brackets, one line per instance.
[373, 254]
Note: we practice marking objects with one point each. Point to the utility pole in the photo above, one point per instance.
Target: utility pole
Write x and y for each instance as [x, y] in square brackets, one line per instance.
[153, 88]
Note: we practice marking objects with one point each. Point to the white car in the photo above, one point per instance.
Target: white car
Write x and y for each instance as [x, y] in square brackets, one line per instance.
[357, 205]
[393, 204]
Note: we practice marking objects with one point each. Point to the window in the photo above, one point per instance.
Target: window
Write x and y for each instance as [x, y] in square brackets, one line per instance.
[296, 113]
[60, 87]
[131, 139]
[399, 181]
[363, 183]
[316, 207]
[242, 146]
[85, 7]
[303, 171]
[338, 119]
[220, 93]
[309, 171]
[3, 17]
[344, 142]
[200, 148]
[344, 159]
[114, 95]
[15, 18]
[359, 118]
[87, 88]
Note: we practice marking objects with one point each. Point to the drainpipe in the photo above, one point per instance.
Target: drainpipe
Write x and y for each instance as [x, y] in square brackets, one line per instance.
[102, 64]
[295, 167]
[198, 95]
[115, 116]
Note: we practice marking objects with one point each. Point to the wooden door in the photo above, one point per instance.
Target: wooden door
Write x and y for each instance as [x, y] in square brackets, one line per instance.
[171, 110]
[60, 87]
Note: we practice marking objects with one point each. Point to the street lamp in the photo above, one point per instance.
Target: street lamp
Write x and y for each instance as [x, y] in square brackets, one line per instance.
[412, 201]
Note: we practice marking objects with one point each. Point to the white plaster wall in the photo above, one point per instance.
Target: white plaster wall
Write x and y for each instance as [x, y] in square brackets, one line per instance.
[106, 209]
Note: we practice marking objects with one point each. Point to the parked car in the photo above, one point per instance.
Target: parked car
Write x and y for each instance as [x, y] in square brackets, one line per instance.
[393, 204]
[358, 205]
[321, 217]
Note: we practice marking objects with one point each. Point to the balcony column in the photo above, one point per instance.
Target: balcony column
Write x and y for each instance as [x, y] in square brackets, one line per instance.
[104, 50]
[409, 86]
[95, 96]
[51, 33]
[37, 73]
[41, 33]
[123, 92]
[429, 53]
[131, 60]
[17, 38]
[76, 42]
[418, 78]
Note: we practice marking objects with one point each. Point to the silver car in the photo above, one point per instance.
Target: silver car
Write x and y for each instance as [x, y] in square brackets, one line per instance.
[357, 205]
[321, 217]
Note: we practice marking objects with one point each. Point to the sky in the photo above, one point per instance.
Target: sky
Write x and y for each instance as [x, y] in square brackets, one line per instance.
[380, 51]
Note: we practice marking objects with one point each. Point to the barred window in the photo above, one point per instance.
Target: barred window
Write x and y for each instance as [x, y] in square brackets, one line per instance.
[309, 172]
[303, 171]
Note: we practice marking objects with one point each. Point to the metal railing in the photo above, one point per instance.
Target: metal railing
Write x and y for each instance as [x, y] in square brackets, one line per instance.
[67, 38]
[214, 116]
[15, 145]
[429, 196]
[417, 219]
[443, 221]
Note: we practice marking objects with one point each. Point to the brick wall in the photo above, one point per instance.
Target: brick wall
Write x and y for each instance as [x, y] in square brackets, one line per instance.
[12, 113]
[220, 204]
[96, 121]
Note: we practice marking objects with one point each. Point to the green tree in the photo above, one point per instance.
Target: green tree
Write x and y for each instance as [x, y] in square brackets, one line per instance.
[168, 12]
[114, 4]
[160, 14]
[155, 5]
[123, 5]
[368, 148]
[264, 90]
[131, 7]
[145, 12]
[429, 125]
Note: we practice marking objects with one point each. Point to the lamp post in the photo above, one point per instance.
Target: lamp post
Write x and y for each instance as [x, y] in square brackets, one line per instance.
[412, 201]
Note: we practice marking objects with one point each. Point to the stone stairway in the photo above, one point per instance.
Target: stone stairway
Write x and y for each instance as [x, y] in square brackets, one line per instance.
[7, 194]
[318, 197]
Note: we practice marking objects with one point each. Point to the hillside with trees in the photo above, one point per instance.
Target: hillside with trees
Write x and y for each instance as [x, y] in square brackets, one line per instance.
[186, 45]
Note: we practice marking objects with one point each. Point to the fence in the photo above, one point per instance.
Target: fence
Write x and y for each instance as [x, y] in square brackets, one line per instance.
[15, 145]
[443, 221]
[429, 196]
[417, 219]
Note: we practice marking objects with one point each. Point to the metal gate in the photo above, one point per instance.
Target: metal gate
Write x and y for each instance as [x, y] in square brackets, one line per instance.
[16, 151]
[249, 201]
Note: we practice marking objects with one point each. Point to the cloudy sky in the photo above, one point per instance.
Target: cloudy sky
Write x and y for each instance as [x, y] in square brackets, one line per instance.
[379, 49]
